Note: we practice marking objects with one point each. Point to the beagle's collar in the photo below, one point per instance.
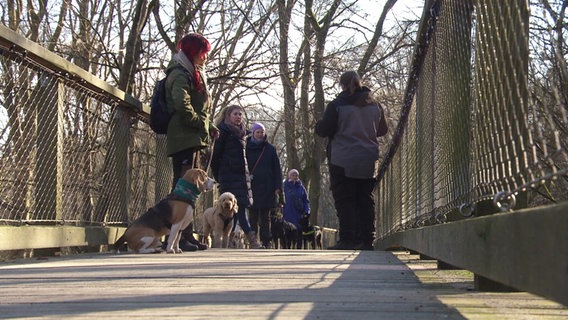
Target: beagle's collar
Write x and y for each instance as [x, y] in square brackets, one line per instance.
[186, 191]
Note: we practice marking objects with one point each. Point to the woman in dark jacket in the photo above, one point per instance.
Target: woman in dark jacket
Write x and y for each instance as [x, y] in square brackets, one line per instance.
[229, 166]
[266, 181]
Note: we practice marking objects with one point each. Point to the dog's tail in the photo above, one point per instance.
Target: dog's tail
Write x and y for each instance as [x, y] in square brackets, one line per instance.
[119, 242]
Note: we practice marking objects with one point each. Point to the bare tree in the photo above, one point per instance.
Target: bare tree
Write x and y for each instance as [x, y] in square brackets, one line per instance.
[548, 86]
[133, 47]
[321, 27]
[257, 46]
[375, 39]
[289, 78]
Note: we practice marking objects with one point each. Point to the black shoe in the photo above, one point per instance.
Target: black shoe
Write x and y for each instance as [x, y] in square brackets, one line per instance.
[342, 245]
[185, 245]
[199, 245]
[365, 246]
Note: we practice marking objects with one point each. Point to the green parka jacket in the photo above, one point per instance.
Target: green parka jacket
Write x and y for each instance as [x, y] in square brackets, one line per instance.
[190, 124]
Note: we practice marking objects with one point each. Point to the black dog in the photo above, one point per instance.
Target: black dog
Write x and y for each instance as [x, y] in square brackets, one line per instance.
[311, 235]
[284, 233]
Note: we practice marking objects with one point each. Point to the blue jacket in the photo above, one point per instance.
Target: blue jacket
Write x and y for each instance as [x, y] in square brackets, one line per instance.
[266, 174]
[228, 164]
[296, 196]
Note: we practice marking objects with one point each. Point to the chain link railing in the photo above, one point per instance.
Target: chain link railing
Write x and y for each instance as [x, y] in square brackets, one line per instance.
[71, 152]
[482, 121]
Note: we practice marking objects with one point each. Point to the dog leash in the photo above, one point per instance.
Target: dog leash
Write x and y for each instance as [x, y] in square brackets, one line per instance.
[210, 156]
[197, 157]
[257, 161]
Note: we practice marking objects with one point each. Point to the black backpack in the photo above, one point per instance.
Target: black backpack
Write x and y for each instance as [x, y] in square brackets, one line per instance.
[160, 114]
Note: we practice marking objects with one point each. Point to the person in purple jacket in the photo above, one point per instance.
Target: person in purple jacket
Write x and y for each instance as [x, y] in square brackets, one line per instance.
[297, 203]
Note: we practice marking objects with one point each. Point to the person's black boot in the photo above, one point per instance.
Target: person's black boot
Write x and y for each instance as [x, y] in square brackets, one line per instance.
[187, 234]
[342, 245]
[199, 245]
[185, 245]
[365, 246]
[365, 242]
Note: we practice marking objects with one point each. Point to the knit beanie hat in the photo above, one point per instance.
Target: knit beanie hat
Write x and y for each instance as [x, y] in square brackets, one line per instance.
[291, 172]
[256, 126]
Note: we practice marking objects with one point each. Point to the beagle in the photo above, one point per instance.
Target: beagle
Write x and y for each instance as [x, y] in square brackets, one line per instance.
[171, 215]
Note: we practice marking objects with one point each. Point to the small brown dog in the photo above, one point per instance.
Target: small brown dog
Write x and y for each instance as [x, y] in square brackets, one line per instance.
[237, 238]
[219, 220]
[169, 216]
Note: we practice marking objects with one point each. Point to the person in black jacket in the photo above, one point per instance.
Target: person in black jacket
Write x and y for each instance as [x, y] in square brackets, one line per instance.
[352, 122]
[229, 166]
[266, 181]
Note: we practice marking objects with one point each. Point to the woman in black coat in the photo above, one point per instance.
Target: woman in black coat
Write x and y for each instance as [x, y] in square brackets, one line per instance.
[229, 166]
[266, 181]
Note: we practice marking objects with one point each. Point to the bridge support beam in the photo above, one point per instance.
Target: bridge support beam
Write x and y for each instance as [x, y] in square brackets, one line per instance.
[525, 249]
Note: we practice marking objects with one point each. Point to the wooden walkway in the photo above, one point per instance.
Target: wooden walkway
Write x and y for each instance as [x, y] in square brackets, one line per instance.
[254, 284]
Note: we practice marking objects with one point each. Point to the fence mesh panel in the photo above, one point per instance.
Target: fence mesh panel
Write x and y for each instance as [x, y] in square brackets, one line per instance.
[485, 119]
[486, 114]
[70, 154]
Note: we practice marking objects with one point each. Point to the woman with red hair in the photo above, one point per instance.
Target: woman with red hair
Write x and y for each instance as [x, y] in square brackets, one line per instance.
[190, 128]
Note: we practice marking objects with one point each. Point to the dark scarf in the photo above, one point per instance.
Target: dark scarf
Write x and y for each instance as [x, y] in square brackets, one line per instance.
[238, 131]
[256, 141]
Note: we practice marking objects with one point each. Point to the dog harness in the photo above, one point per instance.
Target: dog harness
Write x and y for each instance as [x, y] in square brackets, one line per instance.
[310, 231]
[307, 233]
[227, 221]
[185, 191]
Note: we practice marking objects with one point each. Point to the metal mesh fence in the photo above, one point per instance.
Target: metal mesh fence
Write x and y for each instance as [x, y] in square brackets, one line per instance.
[70, 153]
[485, 115]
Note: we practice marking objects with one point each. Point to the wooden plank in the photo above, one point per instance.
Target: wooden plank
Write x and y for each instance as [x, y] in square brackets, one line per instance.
[35, 237]
[525, 249]
[251, 284]
[38, 237]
